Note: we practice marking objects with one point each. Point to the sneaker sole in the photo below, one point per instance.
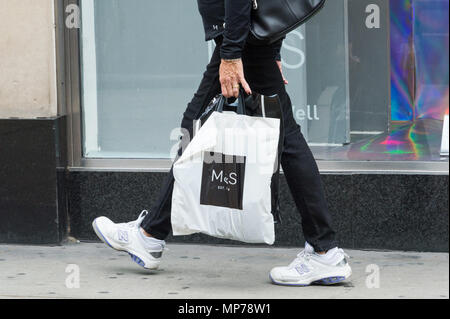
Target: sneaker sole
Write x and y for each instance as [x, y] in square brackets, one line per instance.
[285, 283]
[327, 281]
[133, 256]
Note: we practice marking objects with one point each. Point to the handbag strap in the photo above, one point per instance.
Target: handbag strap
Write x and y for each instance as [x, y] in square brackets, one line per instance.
[239, 104]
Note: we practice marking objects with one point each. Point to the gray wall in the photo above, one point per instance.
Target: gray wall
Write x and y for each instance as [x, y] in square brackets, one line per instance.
[27, 59]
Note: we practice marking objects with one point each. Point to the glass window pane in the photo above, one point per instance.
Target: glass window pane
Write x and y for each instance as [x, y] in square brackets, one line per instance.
[139, 71]
[360, 84]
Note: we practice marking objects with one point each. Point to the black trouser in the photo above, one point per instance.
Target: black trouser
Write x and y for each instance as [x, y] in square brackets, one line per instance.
[299, 165]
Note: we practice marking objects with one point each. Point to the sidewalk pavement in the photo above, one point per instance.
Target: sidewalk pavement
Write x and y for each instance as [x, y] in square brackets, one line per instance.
[209, 272]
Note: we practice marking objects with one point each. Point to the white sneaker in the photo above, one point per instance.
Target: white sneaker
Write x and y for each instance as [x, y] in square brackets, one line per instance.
[311, 268]
[128, 237]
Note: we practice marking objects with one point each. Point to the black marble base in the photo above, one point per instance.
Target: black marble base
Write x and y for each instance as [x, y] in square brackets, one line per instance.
[33, 206]
[398, 212]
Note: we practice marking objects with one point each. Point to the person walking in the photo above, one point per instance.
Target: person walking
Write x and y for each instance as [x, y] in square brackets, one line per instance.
[238, 63]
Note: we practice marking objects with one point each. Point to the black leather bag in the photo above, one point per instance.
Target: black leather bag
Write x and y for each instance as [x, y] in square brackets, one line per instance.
[273, 19]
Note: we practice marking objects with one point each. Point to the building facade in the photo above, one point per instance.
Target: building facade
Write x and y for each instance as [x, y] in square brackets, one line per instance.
[92, 93]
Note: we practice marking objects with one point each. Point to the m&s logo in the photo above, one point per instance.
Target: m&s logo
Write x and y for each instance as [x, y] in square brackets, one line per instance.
[223, 178]
[231, 179]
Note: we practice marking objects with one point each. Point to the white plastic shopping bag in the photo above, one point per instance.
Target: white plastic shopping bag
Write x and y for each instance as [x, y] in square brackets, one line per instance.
[223, 179]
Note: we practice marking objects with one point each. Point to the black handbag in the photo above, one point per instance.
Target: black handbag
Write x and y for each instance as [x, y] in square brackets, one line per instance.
[273, 19]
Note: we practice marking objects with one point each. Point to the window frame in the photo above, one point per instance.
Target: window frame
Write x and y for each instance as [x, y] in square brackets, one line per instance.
[69, 97]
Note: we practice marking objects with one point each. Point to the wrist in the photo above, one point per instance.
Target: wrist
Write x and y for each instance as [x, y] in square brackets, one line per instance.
[232, 60]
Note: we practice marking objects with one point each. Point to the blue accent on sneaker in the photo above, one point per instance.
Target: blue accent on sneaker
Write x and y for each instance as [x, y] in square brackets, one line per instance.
[329, 280]
[137, 260]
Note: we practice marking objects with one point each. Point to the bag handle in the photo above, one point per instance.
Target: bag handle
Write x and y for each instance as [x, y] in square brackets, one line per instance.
[239, 103]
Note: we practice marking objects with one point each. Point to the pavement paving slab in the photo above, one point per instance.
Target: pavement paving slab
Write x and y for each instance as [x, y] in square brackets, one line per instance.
[209, 272]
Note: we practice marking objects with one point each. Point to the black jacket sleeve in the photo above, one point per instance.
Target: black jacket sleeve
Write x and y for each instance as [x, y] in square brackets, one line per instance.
[237, 28]
[277, 47]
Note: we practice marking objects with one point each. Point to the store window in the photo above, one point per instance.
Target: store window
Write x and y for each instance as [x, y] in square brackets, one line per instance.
[361, 84]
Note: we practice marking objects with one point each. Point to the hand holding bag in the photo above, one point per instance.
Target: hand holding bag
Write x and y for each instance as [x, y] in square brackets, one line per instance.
[273, 19]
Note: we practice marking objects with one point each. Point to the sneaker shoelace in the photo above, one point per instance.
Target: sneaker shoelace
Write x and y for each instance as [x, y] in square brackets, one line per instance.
[302, 257]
